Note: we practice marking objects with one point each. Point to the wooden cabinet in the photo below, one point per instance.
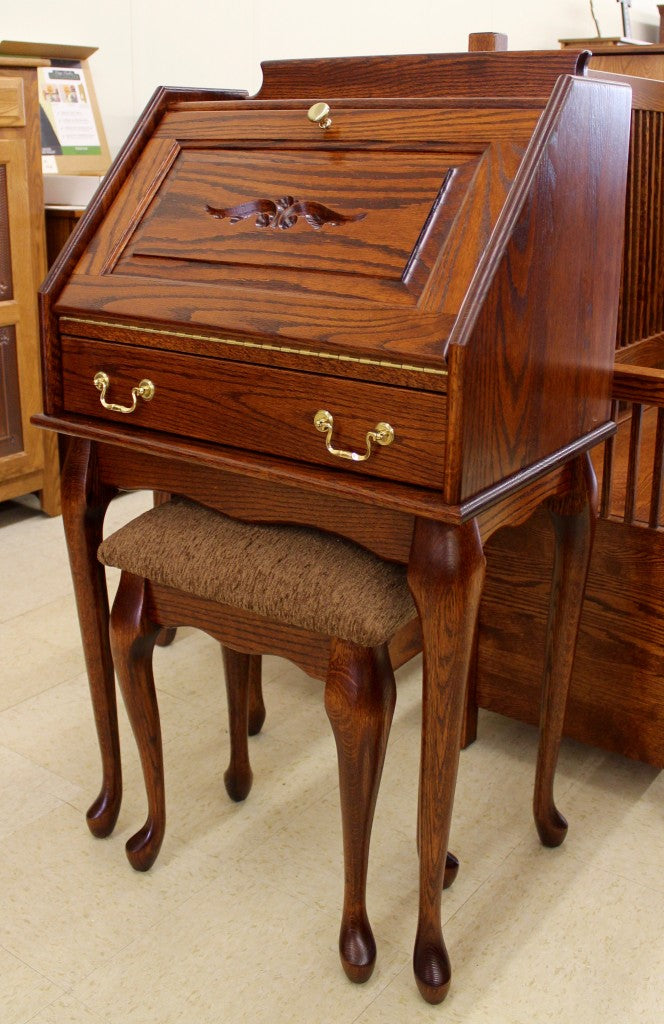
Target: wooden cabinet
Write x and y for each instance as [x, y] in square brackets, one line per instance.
[28, 456]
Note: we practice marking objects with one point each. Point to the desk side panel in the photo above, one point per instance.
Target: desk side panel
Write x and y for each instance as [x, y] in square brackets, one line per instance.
[534, 352]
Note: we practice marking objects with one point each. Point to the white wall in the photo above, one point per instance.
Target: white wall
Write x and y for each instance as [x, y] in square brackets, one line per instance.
[146, 43]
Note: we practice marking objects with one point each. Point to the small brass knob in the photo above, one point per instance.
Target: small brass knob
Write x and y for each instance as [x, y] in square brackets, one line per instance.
[318, 114]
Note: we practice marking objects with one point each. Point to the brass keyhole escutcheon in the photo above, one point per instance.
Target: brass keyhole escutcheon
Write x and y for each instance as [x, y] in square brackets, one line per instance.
[318, 113]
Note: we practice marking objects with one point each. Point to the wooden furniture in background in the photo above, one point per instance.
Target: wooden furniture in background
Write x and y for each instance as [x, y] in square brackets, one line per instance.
[28, 457]
[298, 282]
[616, 698]
[60, 222]
[640, 61]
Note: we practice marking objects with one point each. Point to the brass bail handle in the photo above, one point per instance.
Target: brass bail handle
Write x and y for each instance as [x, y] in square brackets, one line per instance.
[382, 434]
[318, 113]
[145, 390]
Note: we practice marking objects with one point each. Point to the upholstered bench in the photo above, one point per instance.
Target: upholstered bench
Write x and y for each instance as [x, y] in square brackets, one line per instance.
[320, 600]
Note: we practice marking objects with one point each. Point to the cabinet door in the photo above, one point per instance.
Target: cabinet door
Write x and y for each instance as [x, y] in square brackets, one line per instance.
[20, 443]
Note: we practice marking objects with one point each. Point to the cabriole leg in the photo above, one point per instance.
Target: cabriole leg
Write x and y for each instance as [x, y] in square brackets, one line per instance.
[84, 504]
[445, 574]
[360, 695]
[573, 520]
[238, 776]
[133, 638]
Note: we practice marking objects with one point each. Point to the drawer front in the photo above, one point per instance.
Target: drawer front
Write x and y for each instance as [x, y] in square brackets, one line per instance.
[261, 408]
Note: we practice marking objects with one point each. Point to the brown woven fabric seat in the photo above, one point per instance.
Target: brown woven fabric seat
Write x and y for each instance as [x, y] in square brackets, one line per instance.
[289, 574]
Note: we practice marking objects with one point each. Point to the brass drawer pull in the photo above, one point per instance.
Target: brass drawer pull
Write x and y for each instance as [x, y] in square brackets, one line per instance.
[318, 113]
[382, 434]
[144, 390]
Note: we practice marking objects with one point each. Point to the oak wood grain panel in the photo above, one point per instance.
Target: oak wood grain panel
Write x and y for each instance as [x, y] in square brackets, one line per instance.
[12, 103]
[524, 394]
[638, 62]
[386, 532]
[398, 333]
[319, 480]
[521, 74]
[130, 202]
[244, 406]
[646, 94]
[616, 699]
[385, 199]
[268, 353]
[445, 288]
[244, 631]
[638, 383]
[368, 292]
[370, 125]
[644, 352]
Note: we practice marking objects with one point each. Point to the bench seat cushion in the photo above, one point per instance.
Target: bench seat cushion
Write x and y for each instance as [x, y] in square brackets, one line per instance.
[292, 574]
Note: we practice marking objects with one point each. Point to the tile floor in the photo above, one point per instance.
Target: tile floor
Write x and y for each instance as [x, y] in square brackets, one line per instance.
[238, 919]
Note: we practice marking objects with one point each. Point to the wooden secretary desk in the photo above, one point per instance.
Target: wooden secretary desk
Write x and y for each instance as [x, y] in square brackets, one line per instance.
[379, 297]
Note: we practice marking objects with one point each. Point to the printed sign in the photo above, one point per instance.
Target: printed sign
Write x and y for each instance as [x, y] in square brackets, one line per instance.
[67, 119]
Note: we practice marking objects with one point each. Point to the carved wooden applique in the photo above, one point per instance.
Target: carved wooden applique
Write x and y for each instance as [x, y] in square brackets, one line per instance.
[284, 213]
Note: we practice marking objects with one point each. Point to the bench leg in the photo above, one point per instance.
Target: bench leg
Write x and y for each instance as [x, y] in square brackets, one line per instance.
[256, 705]
[451, 870]
[360, 695]
[237, 668]
[574, 525]
[133, 638]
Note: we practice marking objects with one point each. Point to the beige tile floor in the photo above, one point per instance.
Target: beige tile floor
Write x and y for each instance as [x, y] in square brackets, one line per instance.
[238, 919]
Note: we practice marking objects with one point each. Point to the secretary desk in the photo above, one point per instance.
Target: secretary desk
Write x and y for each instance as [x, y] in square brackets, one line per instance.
[379, 298]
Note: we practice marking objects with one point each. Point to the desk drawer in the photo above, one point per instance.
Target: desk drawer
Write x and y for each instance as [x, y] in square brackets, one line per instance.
[261, 408]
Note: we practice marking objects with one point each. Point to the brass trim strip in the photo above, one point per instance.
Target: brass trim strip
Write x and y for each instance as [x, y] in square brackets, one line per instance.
[259, 345]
